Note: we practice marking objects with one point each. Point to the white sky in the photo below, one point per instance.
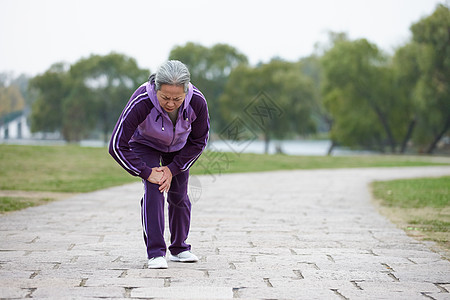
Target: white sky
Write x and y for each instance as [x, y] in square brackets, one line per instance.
[37, 33]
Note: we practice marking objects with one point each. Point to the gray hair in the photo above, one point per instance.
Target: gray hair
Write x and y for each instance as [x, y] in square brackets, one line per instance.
[173, 72]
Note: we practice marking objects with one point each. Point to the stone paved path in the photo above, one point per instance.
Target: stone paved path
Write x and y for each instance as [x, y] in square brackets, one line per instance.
[282, 235]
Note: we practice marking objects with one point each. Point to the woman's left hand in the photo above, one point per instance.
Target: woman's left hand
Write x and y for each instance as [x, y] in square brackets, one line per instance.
[166, 179]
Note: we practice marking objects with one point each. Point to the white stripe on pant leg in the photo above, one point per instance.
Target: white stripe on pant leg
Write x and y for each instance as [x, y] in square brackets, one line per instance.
[144, 212]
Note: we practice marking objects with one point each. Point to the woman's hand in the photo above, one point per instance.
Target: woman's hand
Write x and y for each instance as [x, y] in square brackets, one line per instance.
[165, 180]
[155, 176]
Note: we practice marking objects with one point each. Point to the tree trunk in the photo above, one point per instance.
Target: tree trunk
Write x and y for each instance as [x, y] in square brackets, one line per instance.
[386, 127]
[438, 137]
[383, 120]
[266, 142]
[105, 136]
[330, 150]
[408, 135]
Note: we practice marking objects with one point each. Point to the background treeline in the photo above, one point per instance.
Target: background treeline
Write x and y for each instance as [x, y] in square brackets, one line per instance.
[360, 96]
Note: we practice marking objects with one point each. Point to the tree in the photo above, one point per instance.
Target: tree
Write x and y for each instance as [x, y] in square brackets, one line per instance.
[11, 100]
[106, 83]
[92, 92]
[405, 72]
[375, 100]
[51, 88]
[432, 38]
[311, 67]
[210, 69]
[11, 95]
[79, 114]
[358, 95]
[274, 99]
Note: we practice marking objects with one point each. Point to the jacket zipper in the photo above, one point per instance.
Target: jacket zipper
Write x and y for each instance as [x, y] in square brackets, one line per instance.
[173, 132]
[174, 125]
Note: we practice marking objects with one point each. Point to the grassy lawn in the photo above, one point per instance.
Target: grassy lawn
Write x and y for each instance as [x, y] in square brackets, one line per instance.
[419, 206]
[227, 162]
[16, 203]
[58, 169]
[77, 169]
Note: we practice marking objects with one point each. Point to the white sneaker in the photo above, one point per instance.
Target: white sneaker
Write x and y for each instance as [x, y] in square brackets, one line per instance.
[185, 256]
[157, 263]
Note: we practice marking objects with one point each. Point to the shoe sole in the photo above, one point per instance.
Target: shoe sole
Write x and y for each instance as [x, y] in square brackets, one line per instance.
[161, 264]
[176, 259]
[157, 267]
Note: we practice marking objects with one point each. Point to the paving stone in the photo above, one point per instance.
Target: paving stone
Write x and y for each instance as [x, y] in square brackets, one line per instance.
[214, 280]
[417, 274]
[438, 296]
[198, 292]
[39, 282]
[293, 292]
[7, 292]
[349, 275]
[398, 290]
[78, 292]
[124, 281]
[188, 270]
[399, 286]
[15, 274]
[308, 235]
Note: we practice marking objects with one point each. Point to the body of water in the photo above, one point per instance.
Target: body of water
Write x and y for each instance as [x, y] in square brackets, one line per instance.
[289, 147]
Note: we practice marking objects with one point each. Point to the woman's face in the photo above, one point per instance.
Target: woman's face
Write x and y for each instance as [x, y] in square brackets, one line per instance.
[170, 97]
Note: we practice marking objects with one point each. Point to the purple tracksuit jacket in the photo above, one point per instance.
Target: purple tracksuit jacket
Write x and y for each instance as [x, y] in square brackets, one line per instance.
[144, 121]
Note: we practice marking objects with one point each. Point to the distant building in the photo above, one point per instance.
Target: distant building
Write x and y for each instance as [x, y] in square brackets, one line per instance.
[15, 126]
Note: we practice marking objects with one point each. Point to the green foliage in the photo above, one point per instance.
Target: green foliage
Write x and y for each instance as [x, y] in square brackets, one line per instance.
[218, 163]
[414, 193]
[378, 103]
[12, 94]
[432, 225]
[291, 94]
[311, 68]
[82, 169]
[58, 169]
[79, 113]
[431, 37]
[11, 100]
[109, 81]
[364, 97]
[53, 88]
[420, 206]
[91, 94]
[210, 68]
[16, 203]
[356, 94]
[405, 73]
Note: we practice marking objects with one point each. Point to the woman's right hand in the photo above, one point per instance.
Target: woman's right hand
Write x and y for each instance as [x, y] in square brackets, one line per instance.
[155, 176]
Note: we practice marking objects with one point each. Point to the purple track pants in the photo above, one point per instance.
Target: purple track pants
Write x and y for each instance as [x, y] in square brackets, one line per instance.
[152, 206]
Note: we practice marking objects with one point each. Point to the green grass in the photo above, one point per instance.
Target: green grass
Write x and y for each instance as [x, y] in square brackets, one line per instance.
[58, 169]
[82, 169]
[420, 206]
[17, 203]
[414, 193]
[77, 169]
[227, 162]
[430, 225]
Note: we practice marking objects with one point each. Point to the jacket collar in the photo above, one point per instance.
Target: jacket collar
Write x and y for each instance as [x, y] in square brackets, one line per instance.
[150, 87]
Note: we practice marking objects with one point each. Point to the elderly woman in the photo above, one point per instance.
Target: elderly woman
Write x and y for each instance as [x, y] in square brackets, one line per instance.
[161, 132]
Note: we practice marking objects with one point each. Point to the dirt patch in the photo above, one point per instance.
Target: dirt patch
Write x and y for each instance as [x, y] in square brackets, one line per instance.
[422, 224]
[35, 195]
[17, 200]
